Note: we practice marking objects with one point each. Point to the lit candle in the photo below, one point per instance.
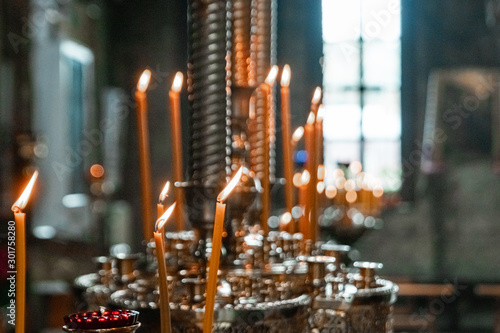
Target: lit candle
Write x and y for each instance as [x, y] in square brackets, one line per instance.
[312, 193]
[145, 167]
[162, 270]
[287, 151]
[285, 220]
[215, 254]
[20, 236]
[315, 100]
[319, 134]
[296, 136]
[175, 122]
[305, 178]
[161, 198]
[266, 88]
[310, 197]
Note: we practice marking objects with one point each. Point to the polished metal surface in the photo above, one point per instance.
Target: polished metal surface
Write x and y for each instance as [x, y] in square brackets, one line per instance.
[126, 329]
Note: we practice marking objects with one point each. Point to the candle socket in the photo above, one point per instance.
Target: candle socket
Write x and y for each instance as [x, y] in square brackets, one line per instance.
[367, 274]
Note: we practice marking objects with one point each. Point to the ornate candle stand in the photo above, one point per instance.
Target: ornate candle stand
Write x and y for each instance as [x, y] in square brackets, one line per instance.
[274, 282]
[280, 290]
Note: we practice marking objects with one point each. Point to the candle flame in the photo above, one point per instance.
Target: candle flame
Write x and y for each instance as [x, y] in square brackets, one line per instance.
[143, 83]
[230, 186]
[297, 135]
[286, 218]
[177, 84]
[21, 203]
[285, 76]
[305, 178]
[160, 223]
[317, 95]
[164, 192]
[321, 113]
[272, 75]
[297, 181]
[320, 187]
[311, 118]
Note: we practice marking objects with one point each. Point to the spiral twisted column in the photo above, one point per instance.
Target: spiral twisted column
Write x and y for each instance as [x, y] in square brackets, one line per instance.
[263, 55]
[208, 95]
[242, 77]
[242, 65]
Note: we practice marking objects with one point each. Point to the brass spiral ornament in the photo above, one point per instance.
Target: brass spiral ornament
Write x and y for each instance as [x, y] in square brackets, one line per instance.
[207, 93]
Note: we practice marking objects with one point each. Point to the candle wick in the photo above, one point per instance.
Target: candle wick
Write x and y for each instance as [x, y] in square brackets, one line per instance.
[17, 209]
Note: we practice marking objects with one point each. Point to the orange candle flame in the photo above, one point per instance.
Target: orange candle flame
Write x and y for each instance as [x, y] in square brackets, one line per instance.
[230, 186]
[285, 76]
[272, 75]
[160, 223]
[143, 82]
[164, 193]
[286, 218]
[311, 118]
[21, 203]
[317, 95]
[297, 179]
[177, 84]
[320, 187]
[305, 178]
[321, 113]
[298, 134]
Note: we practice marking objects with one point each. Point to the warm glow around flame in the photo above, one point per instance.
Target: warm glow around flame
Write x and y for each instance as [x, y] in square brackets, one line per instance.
[20, 204]
[305, 178]
[320, 187]
[321, 113]
[230, 186]
[317, 95]
[143, 83]
[272, 75]
[177, 84]
[310, 118]
[286, 218]
[160, 223]
[285, 76]
[297, 135]
[164, 192]
[297, 181]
